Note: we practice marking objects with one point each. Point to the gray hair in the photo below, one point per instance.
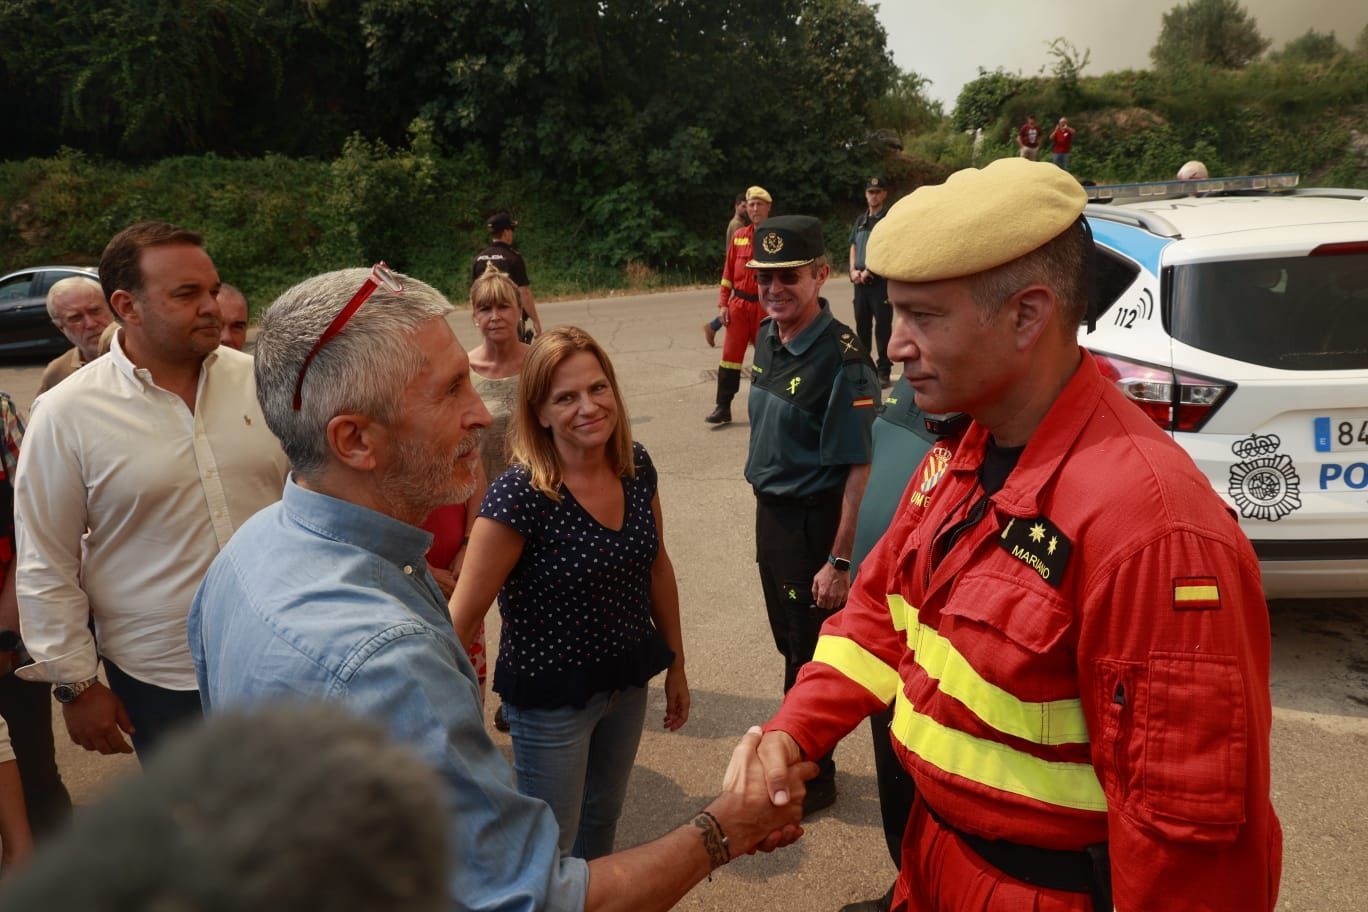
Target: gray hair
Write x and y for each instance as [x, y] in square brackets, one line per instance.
[65, 286]
[363, 370]
[293, 808]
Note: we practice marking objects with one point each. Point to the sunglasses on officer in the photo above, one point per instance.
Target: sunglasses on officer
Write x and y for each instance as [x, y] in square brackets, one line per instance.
[787, 277]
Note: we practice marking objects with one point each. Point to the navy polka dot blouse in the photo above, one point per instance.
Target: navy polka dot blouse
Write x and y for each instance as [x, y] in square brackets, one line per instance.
[577, 606]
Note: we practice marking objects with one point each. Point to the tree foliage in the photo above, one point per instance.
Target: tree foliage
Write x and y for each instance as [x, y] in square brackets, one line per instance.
[1212, 32]
[1312, 47]
[982, 100]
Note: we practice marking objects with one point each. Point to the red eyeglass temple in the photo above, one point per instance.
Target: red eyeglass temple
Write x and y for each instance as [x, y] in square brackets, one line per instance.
[338, 323]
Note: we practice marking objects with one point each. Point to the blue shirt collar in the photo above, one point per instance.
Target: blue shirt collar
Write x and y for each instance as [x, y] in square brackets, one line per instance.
[803, 341]
[343, 521]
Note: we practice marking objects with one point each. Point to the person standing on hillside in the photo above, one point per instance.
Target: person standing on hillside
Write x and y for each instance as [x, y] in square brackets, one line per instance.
[507, 260]
[872, 310]
[1062, 142]
[1028, 139]
[738, 300]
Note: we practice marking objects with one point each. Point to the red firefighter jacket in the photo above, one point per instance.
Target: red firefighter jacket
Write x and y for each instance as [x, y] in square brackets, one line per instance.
[1088, 661]
[736, 278]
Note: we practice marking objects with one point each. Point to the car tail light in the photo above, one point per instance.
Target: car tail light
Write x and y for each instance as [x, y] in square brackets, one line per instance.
[1344, 248]
[1174, 401]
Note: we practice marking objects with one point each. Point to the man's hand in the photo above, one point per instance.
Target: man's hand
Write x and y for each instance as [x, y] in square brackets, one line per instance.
[724, 314]
[677, 699]
[97, 721]
[830, 587]
[760, 812]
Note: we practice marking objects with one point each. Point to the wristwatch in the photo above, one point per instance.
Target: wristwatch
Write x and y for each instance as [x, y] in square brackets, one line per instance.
[840, 563]
[67, 693]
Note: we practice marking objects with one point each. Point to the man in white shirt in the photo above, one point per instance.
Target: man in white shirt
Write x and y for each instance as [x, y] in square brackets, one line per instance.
[134, 473]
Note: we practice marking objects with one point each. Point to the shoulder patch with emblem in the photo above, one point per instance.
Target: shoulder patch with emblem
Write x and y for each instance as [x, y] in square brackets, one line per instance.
[1038, 544]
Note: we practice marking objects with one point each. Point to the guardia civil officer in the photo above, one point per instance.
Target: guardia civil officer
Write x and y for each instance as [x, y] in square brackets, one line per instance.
[812, 400]
[873, 314]
[1067, 621]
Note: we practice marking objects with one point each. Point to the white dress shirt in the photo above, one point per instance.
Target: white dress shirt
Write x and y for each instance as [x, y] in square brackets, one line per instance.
[122, 500]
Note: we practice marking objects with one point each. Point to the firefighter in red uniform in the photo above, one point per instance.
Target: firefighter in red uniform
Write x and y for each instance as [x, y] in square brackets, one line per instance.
[739, 303]
[1067, 621]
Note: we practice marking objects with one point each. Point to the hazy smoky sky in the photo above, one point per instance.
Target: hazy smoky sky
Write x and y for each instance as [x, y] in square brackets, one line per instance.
[947, 40]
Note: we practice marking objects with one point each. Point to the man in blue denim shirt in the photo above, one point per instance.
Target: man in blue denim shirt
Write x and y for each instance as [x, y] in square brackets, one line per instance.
[327, 595]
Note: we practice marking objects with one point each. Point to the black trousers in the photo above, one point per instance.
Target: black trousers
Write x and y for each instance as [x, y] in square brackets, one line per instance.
[793, 537]
[871, 306]
[27, 708]
[896, 789]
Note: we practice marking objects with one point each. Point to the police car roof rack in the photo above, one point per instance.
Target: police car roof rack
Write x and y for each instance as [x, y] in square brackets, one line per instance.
[1136, 218]
[1347, 193]
[1177, 189]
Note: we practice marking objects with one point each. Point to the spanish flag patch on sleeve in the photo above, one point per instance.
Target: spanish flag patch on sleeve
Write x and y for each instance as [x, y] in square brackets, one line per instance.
[1196, 592]
[864, 402]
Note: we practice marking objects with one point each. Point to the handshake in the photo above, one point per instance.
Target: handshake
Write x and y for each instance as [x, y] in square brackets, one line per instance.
[762, 796]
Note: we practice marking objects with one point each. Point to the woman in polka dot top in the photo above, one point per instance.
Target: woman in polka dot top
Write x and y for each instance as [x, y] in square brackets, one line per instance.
[570, 540]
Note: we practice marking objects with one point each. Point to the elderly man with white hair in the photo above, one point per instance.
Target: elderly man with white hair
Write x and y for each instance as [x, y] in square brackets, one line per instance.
[327, 595]
[78, 308]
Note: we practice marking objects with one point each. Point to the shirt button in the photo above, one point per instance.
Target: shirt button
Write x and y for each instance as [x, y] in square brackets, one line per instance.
[408, 570]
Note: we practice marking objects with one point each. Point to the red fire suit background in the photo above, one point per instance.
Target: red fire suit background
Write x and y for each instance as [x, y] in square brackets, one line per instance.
[739, 297]
[1126, 702]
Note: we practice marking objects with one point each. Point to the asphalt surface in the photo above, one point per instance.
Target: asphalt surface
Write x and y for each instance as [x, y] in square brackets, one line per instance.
[1319, 674]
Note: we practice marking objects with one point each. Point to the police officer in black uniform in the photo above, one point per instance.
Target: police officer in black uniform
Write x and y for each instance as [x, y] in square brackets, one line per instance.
[501, 255]
[813, 398]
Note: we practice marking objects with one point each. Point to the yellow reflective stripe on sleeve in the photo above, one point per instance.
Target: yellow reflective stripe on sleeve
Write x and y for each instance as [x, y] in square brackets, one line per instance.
[859, 665]
[734, 365]
[1052, 722]
[740, 241]
[1070, 785]
[726, 283]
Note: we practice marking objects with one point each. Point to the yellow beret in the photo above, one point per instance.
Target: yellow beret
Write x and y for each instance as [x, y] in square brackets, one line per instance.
[978, 219]
[758, 193]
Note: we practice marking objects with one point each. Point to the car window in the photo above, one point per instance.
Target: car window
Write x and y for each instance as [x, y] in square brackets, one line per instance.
[1292, 313]
[16, 286]
[1113, 275]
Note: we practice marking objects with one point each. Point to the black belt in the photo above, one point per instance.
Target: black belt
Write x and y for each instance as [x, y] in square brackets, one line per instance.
[1087, 871]
[806, 500]
[745, 295]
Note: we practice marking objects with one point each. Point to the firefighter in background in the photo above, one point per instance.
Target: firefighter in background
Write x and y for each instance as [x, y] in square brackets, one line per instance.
[1068, 622]
[738, 305]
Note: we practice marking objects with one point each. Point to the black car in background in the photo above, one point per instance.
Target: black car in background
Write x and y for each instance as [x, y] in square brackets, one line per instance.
[25, 328]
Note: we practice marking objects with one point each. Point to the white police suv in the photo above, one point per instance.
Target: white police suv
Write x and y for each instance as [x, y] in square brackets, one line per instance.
[1234, 311]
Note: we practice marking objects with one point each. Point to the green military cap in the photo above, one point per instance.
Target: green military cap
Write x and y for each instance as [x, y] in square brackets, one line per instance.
[978, 219]
[786, 241]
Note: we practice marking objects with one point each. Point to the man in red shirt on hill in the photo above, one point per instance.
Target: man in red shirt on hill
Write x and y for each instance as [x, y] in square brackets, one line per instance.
[1062, 141]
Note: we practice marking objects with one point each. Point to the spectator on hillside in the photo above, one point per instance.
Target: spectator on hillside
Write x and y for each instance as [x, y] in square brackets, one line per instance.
[1028, 138]
[77, 307]
[1062, 142]
[233, 307]
[134, 473]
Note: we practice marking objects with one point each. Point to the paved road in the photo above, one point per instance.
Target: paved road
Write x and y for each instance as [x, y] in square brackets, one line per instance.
[1320, 654]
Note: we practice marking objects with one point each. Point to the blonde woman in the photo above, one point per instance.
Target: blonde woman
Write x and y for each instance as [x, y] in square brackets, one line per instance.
[497, 361]
[570, 540]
